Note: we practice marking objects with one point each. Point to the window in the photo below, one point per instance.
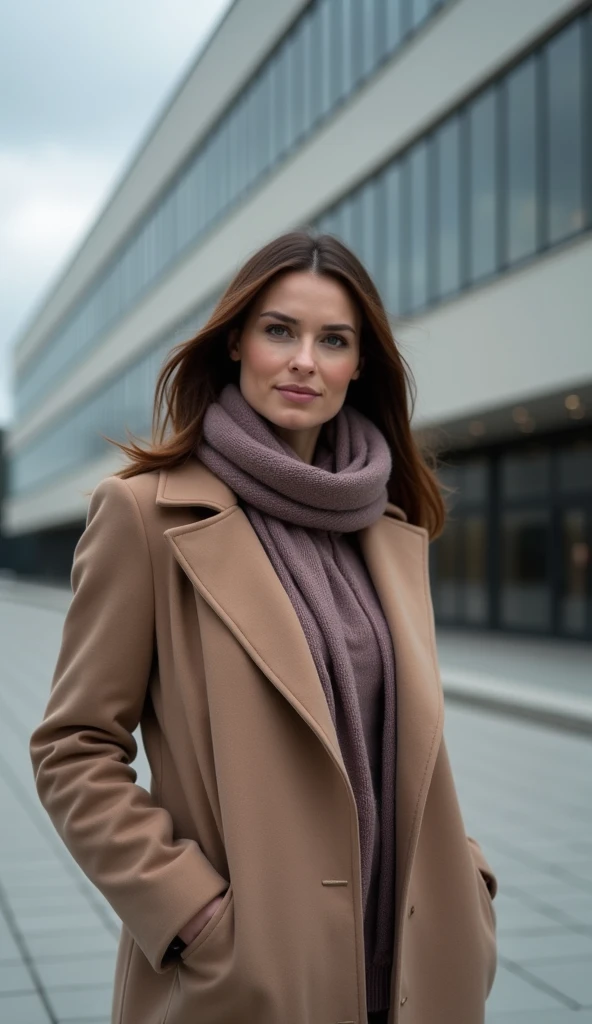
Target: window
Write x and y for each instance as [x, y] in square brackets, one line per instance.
[418, 226]
[336, 56]
[253, 150]
[324, 51]
[298, 72]
[265, 115]
[521, 171]
[419, 11]
[447, 194]
[392, 189]
[367, 247]
[368, 43]
[393, 19]
[565, 133]
[317, 52]
[483, 206]
[525, 583]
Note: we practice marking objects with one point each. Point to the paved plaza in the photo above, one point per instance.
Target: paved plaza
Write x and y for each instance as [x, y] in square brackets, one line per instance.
[525, 792]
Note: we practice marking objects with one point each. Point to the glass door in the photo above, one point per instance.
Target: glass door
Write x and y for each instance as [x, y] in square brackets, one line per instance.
[575, 595]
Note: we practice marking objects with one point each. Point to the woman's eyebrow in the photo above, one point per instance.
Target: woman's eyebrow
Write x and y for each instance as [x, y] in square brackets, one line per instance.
[293, 320]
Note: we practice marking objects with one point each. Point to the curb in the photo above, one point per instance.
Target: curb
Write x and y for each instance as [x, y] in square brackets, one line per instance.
[568, 712]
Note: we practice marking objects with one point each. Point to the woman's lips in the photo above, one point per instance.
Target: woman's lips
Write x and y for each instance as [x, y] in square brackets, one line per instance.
[297, 396]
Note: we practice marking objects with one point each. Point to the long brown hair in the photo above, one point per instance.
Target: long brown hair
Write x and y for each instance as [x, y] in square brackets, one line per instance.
[196, 371]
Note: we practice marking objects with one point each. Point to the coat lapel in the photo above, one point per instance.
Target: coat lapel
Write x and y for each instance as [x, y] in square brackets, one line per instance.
[225, 561]
[227, 565]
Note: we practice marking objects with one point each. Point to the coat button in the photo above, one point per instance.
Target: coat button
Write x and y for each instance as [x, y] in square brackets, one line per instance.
[411, 911]
[403, 1000]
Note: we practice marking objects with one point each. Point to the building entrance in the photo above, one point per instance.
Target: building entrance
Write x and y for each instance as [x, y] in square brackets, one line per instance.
[516, 553]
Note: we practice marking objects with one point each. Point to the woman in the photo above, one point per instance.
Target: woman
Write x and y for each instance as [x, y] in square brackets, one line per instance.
[253, 591]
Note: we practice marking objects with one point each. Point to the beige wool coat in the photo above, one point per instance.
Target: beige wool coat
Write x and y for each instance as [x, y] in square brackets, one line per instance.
[179, 623]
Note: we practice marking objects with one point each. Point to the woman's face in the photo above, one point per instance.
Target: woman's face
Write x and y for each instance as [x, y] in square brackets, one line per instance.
[303, 332]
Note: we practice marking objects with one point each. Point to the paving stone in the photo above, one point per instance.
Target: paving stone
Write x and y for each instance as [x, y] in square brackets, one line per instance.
[65, 943]
[23, 1009]
[540, 1017]
[95, 970]
[547, 945]
[8, 948]
[511, 993]
[572, 977]
[15, 978]
[80, 1004]
[34, 923]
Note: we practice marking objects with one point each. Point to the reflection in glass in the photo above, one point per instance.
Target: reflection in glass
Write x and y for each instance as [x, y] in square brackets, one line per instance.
[476, 604]
[447, 142]
[565, 133]
[525, 586]
[482, 185]
[576, 601]
[521, 226]
[418, 226]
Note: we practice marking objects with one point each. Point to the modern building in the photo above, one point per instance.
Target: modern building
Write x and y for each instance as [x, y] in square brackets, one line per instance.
[449, 142]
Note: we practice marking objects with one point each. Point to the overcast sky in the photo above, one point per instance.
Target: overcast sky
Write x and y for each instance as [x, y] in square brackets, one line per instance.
[81, 81]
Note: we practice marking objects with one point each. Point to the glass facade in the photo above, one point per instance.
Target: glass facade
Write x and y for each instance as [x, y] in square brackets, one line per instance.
[516, 552]
[459, 556]
[483, 190]
[501, 179]
[332, 48]
[126, 400]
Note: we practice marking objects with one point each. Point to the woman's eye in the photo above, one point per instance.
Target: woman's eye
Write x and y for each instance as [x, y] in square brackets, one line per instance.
[338, 338]
[273, 327]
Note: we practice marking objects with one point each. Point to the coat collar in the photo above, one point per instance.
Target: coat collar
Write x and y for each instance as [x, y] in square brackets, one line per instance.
[225, 561]
[192, 483]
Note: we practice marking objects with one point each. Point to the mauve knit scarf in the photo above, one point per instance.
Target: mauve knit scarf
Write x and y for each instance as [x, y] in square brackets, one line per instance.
[290, 504]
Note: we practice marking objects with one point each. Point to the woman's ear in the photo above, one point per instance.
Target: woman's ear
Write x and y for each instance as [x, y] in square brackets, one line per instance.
[359, 369]
[233, 344]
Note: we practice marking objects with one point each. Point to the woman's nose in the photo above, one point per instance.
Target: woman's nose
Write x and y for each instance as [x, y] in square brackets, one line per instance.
[303, 359]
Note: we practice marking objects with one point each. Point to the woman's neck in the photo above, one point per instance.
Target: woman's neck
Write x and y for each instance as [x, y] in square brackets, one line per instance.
[303, 442]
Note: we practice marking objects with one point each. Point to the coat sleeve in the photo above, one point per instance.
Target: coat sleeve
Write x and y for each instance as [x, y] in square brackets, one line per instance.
[82, 750]
[482, 865]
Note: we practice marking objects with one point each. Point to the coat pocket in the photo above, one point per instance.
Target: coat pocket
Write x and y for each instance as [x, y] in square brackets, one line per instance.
[202, 938]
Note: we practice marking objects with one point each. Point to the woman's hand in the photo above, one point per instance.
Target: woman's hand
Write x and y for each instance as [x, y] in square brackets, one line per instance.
[191, 930]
